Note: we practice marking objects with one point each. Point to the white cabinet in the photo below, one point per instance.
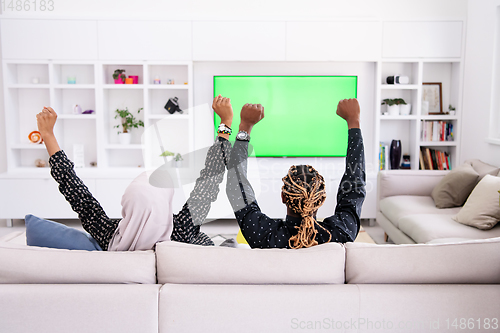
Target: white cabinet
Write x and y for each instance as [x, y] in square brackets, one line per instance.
[333, 41]
[244, 41]
[49, 39]
[144, 40]
[442, 39]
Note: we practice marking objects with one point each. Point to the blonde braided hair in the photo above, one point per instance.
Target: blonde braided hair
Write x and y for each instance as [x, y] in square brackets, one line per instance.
[304, 191]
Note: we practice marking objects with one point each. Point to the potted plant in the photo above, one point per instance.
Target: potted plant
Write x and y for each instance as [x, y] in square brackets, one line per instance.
[404, 108]
[128, 121]
[451, 110]
[119, 77]
[178, 160]
[392, 107]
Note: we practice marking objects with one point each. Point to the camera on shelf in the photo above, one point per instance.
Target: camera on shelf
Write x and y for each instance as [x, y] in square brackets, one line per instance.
[397, 79]
[172, 106]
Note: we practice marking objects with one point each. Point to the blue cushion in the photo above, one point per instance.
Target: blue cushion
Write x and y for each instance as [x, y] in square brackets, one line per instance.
[45, 233]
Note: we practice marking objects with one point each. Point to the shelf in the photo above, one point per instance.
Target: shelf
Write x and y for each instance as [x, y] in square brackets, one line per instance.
[167, 86]
[124, 147]
[438, 143]
[29, 146]
[410, 117]
[438, 117]
[123, 86]
[77, 116]
[29, 86]
[399, 86]
[169, 116]
[74, 86]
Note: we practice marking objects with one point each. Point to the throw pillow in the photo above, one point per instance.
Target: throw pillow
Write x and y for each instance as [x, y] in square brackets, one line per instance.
[482, 168]
[455, 187]
[481, 209]
[45, 233]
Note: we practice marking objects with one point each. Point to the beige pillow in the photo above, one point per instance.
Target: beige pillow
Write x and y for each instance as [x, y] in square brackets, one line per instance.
[481, 209]
[194, 264]
[462, 263]
[482, 168]
[455, 187]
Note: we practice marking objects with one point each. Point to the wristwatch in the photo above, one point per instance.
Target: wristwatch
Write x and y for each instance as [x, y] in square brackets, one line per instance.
[243, 136]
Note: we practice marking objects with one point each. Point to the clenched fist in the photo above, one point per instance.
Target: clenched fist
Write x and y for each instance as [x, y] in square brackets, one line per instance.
[348, 109]
[250, 115]
[46, 121]
[222, 106]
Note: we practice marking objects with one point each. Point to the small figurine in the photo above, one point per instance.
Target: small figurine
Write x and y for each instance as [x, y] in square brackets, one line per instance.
[39, 163]
[93, 164]
[77, 109]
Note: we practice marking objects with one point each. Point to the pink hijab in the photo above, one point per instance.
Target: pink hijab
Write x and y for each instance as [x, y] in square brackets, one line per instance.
[147, 216]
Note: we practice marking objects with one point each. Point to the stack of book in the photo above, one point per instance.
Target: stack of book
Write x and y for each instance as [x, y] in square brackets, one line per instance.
[436, 131]
[432, 159]
[383, 156]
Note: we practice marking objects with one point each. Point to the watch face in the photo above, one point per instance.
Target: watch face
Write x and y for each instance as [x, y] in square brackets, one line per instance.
[242, 136]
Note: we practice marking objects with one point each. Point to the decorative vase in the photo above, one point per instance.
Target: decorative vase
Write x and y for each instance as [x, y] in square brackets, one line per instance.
[393, 110]
[129, 80]
[118, 80]
[135, 79]
[125, 138]
[405, 109]
[77, 109]
[395, 154]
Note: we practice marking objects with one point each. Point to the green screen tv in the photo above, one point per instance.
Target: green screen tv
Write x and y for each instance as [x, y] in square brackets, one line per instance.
[300, 117]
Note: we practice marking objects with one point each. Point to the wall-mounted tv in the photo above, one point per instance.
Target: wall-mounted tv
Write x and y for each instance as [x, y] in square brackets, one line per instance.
[300, 112]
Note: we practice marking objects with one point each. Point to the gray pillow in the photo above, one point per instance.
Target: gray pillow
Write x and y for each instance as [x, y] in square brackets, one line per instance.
[481, 209]
[455, 187]
[483, 169]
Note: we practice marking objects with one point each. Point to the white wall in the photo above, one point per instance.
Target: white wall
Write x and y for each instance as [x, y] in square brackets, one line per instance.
[478, 78]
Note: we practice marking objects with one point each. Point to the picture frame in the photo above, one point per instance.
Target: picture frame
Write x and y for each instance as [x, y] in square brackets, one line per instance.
[432, 92]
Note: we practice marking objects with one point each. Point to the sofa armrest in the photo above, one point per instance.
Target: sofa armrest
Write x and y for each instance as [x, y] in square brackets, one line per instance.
[391, 183]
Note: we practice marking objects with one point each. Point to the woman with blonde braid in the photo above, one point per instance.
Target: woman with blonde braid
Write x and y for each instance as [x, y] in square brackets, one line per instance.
[303, 192]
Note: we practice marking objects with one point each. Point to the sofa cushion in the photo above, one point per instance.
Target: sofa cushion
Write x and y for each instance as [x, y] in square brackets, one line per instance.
[426, 227]
[30, 264]
[455, 187]
[191, 264]
[482, 168]
[482, 209]
[45, 233]
[394, 208]
[424, 263]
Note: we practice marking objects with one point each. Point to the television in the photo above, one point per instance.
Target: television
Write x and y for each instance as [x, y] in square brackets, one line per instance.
[300, 117]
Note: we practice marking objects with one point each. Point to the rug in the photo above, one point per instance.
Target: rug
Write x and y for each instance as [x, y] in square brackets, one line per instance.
[363, 237]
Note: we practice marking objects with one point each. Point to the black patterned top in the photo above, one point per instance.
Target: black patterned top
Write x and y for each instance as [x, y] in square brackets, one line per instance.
[261, 231]
[186, 223]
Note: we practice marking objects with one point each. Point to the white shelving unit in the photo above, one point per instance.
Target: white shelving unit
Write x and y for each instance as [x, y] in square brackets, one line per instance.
[31, 85]
[449, 72]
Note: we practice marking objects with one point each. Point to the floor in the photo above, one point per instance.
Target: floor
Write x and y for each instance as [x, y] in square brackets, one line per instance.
[218, 230]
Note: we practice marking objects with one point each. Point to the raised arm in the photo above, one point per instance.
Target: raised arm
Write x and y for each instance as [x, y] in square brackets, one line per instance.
[91, 214]
[351, 192]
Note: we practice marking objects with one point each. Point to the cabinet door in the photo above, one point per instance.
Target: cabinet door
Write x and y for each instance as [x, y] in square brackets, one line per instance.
[40, 197]
[144, 40]
[49, 39]
[422, 39]
[333, 41]
[233, 41]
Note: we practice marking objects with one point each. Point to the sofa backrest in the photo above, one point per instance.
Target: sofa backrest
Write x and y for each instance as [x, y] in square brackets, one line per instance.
[470, 262]
[191, 264]
[407, 183]
[21, 264]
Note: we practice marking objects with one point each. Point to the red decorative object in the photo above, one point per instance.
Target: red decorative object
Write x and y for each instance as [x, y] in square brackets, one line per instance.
[35, 137]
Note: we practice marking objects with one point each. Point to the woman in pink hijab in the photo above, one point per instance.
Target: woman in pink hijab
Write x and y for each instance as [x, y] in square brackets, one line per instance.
[146, 209]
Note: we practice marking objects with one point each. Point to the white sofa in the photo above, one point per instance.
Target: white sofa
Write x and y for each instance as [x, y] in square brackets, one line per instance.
[408, 215]
[188, 288]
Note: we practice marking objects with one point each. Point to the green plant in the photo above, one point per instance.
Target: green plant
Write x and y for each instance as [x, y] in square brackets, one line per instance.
[128, 120]
[167, 153]
[451, 108]
[388, 101]
[118, 74]
[399, 101]
[178, 157]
